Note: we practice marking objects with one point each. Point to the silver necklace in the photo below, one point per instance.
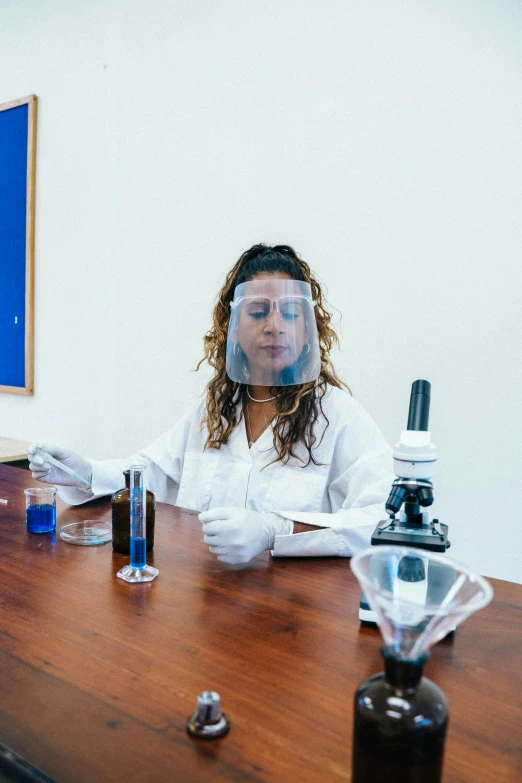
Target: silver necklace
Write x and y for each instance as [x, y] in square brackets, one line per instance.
[252, 441]
[268, 399]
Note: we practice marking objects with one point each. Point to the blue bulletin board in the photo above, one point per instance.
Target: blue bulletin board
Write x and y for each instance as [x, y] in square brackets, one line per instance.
[17, 181]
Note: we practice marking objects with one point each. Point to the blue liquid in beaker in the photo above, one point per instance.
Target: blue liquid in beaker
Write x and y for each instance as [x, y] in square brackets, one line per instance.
[138, 552]
[40, 518]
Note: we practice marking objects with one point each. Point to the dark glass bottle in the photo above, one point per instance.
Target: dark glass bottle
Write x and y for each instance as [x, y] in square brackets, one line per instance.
[400, 723]
[121, 518]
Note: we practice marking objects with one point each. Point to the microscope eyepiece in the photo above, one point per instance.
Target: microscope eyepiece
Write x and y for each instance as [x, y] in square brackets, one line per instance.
[419, 412]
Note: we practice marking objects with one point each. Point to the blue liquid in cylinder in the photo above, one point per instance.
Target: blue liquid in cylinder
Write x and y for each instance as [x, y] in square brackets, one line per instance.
[40, 519]
[138, 552]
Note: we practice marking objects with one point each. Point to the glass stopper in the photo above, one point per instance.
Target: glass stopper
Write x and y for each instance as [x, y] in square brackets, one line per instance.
[208, 722]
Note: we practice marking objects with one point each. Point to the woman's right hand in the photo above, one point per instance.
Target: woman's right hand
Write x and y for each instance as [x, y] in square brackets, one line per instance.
[51, 474]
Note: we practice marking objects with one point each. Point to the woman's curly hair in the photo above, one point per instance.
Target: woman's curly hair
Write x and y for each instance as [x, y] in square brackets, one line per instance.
[298, 406]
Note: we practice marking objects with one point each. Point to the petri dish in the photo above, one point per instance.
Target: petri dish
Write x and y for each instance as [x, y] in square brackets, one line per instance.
[90, 532]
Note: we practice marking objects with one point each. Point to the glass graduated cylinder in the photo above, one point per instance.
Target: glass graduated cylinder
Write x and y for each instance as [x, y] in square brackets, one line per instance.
[138, 553]
[121, 518]
[138, 570]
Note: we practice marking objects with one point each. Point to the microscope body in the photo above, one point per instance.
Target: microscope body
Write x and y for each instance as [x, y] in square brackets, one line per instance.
[414, 460]
[409, 524]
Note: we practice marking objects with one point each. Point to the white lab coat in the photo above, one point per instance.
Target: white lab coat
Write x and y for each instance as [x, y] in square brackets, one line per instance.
[344, 494]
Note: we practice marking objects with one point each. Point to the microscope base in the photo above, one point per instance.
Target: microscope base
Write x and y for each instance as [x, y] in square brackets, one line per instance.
[429, 590]
[367, 616]
[366, 613]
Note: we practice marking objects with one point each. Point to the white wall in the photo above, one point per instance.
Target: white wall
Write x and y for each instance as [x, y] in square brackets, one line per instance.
[380, 139]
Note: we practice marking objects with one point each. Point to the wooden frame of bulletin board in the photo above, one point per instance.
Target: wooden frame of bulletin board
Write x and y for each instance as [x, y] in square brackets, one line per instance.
[17, 197]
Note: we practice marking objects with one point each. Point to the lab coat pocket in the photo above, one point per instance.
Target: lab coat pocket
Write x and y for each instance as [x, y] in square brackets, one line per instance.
[294, 489]
[196, 478]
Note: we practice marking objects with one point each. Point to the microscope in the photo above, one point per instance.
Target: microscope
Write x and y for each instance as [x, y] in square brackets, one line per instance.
[408, 524]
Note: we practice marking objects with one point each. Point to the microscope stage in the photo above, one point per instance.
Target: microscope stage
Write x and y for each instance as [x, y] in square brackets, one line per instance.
[419, 536]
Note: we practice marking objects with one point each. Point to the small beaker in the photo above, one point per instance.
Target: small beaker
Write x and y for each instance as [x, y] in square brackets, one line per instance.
[40, 509]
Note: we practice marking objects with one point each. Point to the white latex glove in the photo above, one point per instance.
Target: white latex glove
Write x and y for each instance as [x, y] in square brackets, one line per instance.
[236, 535]
[44, 471]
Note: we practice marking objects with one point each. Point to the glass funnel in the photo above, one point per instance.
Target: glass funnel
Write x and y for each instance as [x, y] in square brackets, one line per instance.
[401, 717]
[417, 596]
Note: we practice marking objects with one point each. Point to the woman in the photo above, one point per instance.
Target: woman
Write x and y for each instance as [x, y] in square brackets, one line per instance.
[278, 456]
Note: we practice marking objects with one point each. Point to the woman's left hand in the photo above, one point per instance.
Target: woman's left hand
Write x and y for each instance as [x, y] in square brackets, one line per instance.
[236, 535]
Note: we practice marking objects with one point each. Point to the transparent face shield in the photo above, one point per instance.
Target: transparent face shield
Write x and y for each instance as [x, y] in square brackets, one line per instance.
[272, 335]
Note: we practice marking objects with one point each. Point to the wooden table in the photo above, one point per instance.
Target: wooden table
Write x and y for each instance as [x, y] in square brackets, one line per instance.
[12, 450]
[97, 677]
